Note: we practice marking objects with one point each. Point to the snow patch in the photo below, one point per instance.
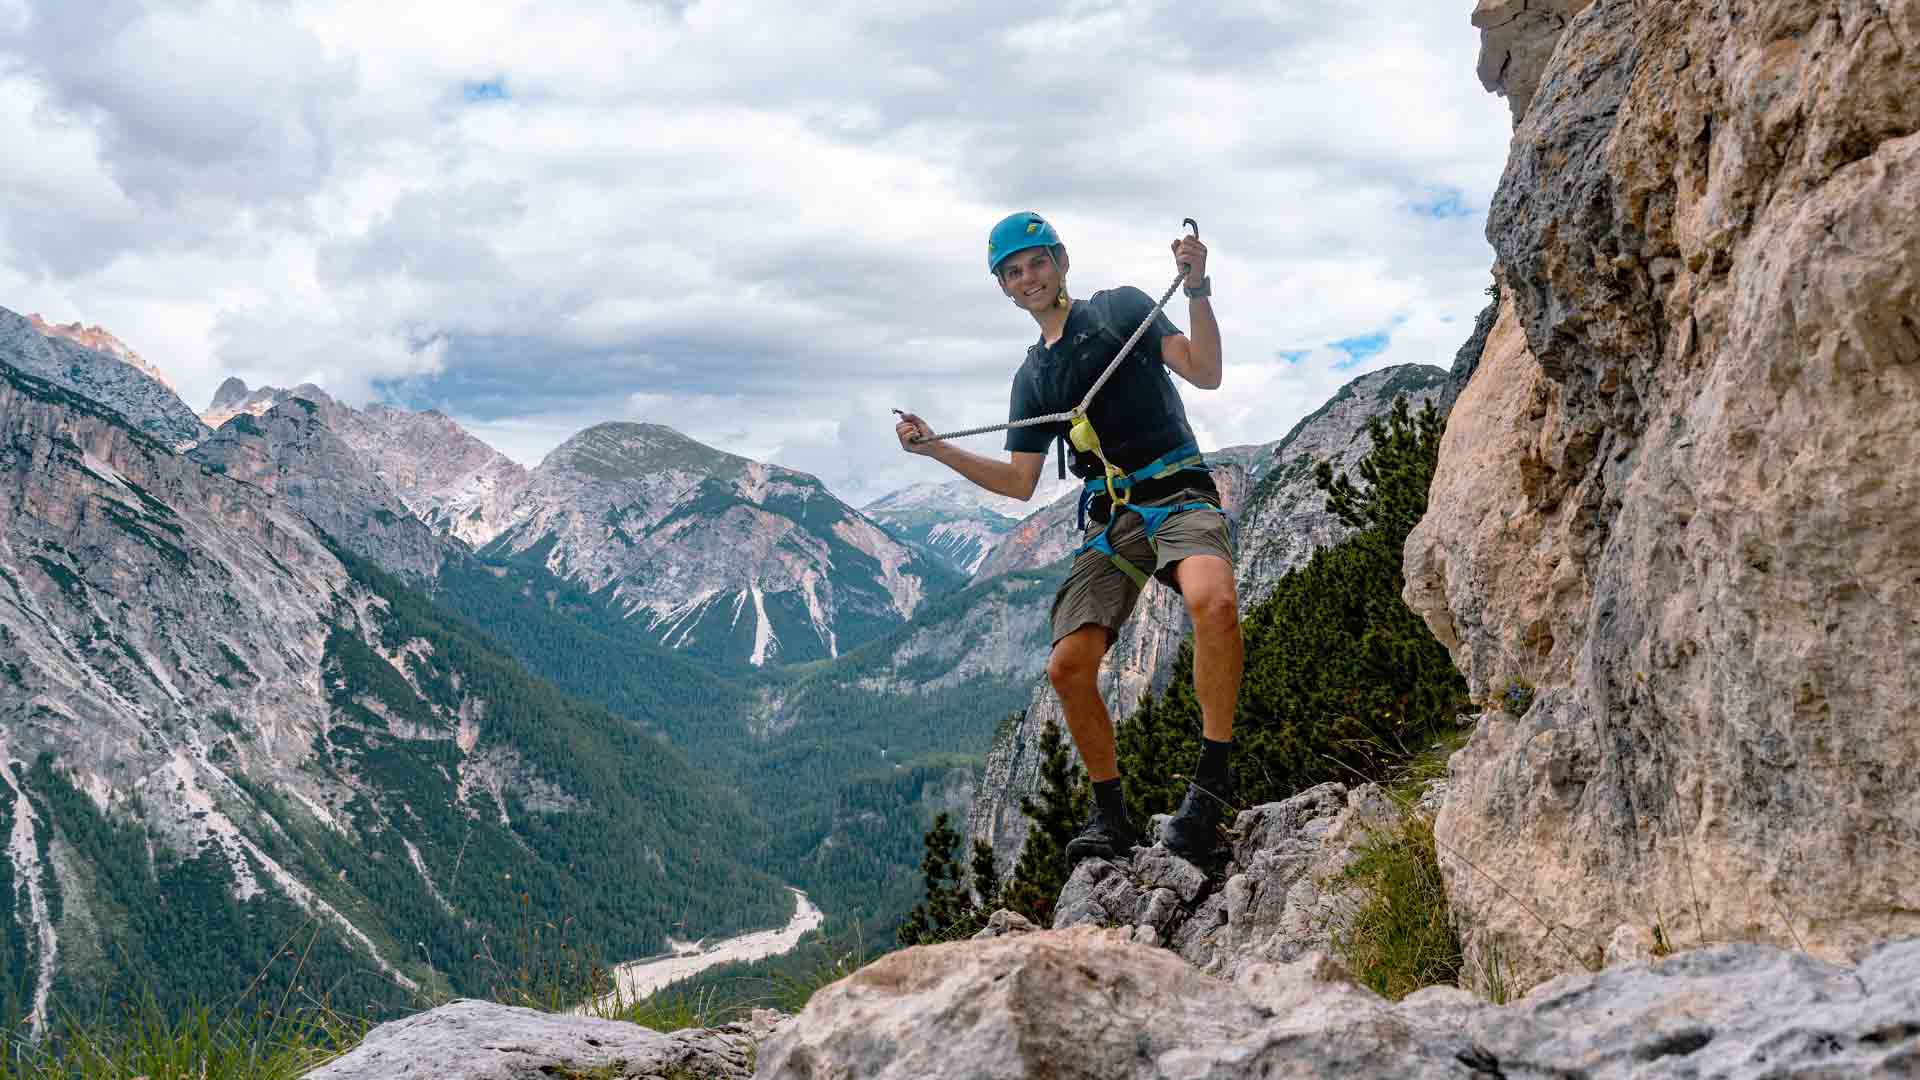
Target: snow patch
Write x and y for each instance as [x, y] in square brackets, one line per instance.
[420, 866]
[763, 636]
[23, 851]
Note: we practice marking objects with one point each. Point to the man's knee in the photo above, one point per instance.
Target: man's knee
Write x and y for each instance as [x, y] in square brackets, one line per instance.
[1212, 601]
[1216, 609]
[1075, 660]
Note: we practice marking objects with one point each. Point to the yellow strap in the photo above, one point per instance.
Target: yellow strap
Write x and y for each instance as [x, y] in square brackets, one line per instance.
[1128, 569]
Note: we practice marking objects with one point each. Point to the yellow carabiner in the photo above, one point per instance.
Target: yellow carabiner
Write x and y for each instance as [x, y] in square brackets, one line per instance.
[1082, 435]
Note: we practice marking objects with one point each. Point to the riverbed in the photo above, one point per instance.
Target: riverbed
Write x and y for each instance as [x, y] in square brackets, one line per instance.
[640, 978]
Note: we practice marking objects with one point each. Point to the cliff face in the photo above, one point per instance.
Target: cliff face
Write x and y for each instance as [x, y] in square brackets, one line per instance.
[1677, 497]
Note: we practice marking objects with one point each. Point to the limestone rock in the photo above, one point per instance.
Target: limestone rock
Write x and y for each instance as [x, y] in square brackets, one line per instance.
[100, 340]
[1002, 923]
[1086, 1003]
[1092, 1003]
[291, 452]
[1281, 895]
[479, 1040]
[68, 358]
[1517, 38]
[715, 553]
[1677, 495]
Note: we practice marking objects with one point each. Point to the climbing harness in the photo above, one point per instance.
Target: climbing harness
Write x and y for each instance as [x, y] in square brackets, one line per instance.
[1119, 491]
[1114, 482]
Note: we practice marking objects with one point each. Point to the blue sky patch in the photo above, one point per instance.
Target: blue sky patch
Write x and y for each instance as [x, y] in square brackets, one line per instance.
[1293, 356]
[494, 89]
[1362, 347]
[1443, 204]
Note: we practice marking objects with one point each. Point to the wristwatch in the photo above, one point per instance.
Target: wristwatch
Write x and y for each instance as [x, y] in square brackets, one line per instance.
[1205, 289]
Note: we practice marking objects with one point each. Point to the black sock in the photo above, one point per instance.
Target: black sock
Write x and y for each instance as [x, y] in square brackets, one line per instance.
[1212, 771]
[1108, 797]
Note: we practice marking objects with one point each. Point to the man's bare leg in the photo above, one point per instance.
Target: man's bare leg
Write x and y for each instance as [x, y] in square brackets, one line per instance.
[1074, 670]
[1206, 583]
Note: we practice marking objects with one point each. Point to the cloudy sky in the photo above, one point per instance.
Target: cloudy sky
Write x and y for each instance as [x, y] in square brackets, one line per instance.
[762, 223]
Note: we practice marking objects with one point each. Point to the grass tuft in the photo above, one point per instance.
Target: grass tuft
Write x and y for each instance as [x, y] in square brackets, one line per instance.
[141, 1041]
[1401, 938]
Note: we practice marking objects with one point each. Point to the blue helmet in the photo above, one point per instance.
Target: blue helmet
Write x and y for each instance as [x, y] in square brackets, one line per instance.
[1018, 232]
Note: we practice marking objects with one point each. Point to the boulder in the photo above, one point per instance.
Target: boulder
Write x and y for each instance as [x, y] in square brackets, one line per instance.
[1086, 1003]
[480, 1040]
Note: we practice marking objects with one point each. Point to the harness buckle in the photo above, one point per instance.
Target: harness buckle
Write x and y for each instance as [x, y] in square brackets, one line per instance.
[1124, 495]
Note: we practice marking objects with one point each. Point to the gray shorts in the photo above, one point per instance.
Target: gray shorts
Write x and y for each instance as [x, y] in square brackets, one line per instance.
[1098, 592]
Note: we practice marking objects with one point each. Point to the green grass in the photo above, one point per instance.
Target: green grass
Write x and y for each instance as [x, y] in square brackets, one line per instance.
[201, 1044]
[1401, 938]
[1409, 781]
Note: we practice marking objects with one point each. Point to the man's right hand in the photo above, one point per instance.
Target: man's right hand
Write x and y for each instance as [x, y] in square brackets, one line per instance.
[911, 427]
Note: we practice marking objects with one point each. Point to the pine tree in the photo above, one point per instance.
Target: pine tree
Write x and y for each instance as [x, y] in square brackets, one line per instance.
[1056, 816]
[948, 900]
[986, 876]
[1342, 680]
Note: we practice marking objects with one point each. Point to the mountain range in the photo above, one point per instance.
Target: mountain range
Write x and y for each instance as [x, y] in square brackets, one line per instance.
[353, 669]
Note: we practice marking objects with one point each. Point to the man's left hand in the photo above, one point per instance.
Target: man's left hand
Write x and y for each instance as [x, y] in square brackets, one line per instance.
[1189, 252]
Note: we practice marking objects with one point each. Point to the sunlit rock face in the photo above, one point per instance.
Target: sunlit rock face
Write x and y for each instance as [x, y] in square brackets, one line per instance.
[96, 365]
[1677, 499]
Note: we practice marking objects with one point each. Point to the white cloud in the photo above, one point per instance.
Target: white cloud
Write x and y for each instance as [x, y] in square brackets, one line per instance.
[761, 223]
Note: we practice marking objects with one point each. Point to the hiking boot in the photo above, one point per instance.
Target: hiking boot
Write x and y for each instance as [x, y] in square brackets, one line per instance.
[1193, 832]
[1102, 838]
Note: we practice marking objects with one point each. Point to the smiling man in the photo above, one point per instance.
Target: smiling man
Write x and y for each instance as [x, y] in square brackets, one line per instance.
[1169, 525]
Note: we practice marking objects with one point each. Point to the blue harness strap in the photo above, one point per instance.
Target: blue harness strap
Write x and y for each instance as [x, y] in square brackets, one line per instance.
[1181, 459]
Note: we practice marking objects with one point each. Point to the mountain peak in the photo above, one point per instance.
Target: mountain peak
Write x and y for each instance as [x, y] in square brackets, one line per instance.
[230, 393]
[101, 341]
[622, 449]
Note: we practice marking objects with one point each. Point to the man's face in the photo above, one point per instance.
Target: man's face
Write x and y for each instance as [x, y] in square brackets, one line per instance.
[1032, 278]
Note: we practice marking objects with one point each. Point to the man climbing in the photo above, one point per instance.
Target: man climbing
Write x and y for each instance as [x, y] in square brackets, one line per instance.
[1169, 523]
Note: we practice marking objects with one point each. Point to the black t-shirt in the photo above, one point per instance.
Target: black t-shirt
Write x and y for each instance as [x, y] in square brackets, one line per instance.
[1138, 414]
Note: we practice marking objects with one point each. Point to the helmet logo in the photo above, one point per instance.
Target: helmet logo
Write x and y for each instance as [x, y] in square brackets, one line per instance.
[1032, 227]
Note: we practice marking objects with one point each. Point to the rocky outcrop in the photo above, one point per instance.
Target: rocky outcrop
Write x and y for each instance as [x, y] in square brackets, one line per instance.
[1676, 498]
[1280, 896]
[451, 480]
[1282, 519]
[1517, 39]
[479, 1040]
[100, 340]
[291, 452]
[1094, 1003]
[61, 356]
